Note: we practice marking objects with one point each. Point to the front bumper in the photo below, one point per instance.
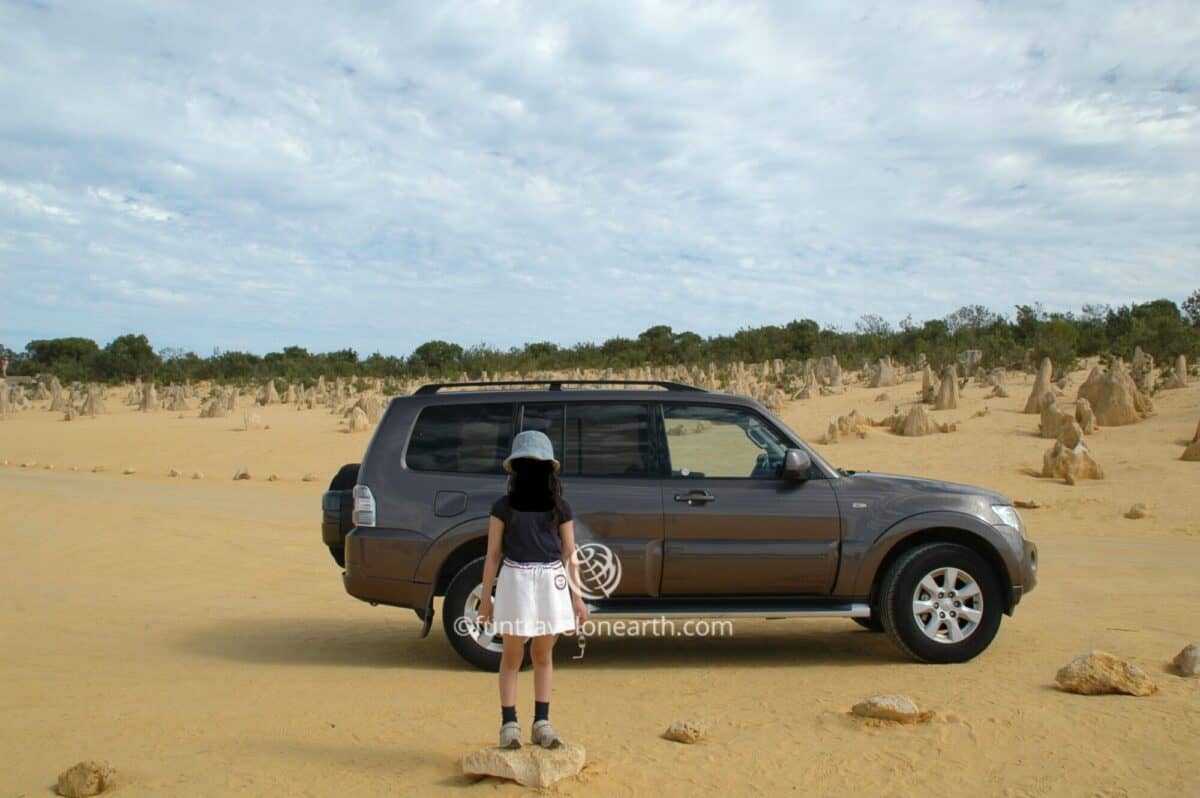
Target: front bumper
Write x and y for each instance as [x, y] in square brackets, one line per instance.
[1028, 571]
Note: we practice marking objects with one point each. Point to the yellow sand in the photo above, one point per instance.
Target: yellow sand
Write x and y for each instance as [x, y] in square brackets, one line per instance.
[195, 633]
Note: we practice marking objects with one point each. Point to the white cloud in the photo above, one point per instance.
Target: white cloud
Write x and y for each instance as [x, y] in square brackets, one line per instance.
[310, 174]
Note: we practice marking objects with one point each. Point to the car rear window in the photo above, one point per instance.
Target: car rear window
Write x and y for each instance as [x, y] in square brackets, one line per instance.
[468, 439]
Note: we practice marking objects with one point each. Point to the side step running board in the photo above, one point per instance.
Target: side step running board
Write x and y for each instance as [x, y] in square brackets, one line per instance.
[738, 609]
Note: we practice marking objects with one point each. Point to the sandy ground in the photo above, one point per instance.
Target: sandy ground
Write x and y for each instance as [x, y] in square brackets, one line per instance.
[195, 632]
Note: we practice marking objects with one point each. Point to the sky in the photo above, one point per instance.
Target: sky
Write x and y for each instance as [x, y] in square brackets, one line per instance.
[254, 175]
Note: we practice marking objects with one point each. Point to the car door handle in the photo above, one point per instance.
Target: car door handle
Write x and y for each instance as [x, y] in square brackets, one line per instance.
[702, 496]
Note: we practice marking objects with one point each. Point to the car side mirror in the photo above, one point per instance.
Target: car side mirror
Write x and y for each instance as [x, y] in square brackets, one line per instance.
[796, 464]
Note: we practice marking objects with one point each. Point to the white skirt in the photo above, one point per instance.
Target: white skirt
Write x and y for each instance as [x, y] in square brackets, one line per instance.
[532, 599]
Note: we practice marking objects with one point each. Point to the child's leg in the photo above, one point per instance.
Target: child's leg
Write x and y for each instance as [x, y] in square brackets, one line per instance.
[542, 652]
[510, 664]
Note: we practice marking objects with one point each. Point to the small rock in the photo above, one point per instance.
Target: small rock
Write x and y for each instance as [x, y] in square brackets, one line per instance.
[1138, 510]
[197, 475]
[685, 731]
[29, 464]
[242, 473]
[883, 397]
[1099, 673]
[1188, 660]
[172, 472]
[899, 708]
[252, 421]
[529, 766]
[1026, 505]
[97, 469]
[273, 478]
[49, 466]
[309, 477]
[86, 778]
[129, 470]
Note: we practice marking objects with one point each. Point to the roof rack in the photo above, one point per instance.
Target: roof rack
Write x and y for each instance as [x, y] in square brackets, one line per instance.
[556, 384]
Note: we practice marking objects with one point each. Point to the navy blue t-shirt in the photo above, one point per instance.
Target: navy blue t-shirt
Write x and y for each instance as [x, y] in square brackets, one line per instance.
[530, 535]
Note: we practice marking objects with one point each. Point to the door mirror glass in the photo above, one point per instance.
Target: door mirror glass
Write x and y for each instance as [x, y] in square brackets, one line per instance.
[796, 464]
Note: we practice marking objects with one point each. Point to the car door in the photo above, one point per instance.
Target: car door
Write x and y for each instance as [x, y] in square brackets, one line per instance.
[611, 477]
[731, 524]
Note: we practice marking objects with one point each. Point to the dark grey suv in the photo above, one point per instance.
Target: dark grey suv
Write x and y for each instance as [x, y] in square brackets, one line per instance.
[710, 504]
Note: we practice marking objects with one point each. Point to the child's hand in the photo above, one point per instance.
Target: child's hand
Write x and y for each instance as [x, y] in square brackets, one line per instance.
[581, 610]
[484, 616]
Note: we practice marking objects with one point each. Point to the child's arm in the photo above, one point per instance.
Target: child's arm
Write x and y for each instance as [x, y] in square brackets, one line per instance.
[491, 567]
[566, 533]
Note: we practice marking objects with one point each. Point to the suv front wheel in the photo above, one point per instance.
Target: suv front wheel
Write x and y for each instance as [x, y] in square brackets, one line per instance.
[941, 603]
[460, 608]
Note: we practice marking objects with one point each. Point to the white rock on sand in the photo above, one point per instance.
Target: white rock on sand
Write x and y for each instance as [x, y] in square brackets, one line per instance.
[1100, 673]
[898, 708]
[1187, 662]
[89, 777]
[686, 731]
[529, 766]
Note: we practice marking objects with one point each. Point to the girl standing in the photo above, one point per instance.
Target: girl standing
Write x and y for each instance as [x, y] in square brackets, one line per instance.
[531, 542]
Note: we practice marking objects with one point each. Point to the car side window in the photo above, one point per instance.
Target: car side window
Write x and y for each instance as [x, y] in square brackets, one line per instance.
[717, 441]
[467, 439]
[611, 439]
[547, 418]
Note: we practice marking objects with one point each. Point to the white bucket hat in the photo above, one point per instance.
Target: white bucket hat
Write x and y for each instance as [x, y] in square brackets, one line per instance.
[532, 444]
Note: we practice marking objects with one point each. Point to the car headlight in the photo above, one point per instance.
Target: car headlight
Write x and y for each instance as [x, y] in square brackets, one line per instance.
[1009, 516]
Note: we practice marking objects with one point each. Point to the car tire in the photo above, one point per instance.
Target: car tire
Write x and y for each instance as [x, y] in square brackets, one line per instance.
[459, 603]
[941, 603]
[872, 624]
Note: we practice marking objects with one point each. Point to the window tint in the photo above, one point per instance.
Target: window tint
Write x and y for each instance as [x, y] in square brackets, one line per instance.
[607, 440]
[472, 439]
[714, 441]
[547, 419]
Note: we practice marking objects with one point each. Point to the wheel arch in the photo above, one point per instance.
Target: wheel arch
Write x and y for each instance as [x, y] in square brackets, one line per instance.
[955, 534]
[470, 549]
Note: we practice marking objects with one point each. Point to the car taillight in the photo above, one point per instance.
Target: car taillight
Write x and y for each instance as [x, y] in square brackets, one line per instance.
[364, 506]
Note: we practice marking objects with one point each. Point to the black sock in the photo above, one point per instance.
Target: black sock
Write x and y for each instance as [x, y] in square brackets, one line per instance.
[541, 711]
[508, 714]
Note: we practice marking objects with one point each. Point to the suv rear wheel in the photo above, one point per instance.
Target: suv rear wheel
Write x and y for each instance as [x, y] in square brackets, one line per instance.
[460, 608]
[941, 603]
